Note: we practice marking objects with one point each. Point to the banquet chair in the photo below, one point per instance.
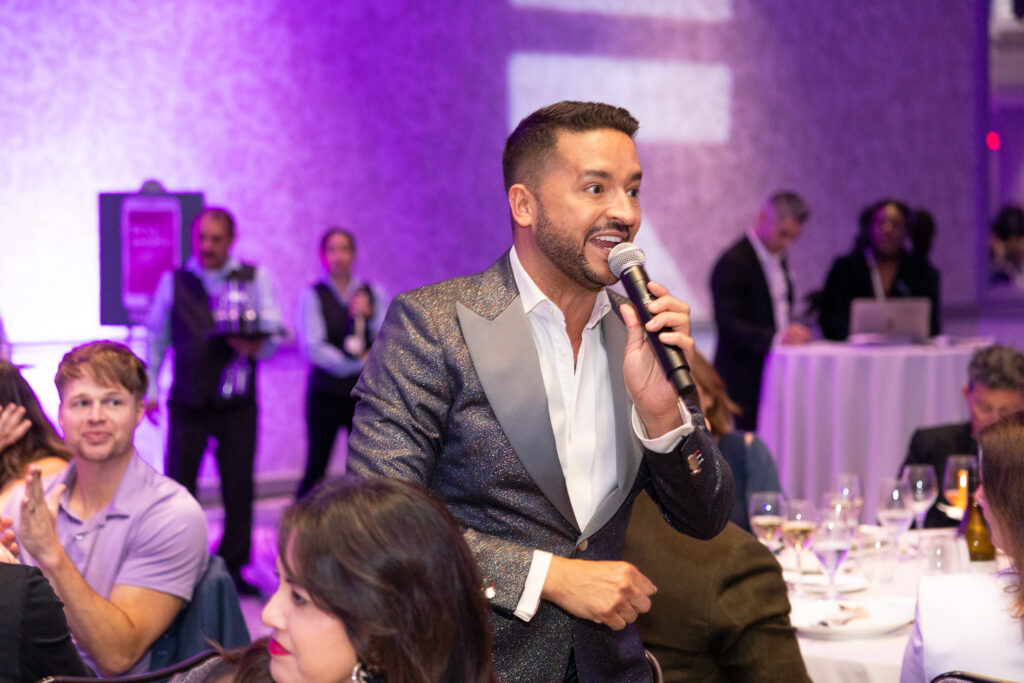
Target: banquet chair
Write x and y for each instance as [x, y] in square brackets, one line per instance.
[148, 677]
[964, 677]
[655, 667]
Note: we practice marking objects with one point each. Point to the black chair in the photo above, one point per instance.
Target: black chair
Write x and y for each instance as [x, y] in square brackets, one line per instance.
[964, 677]
[213, 614]
[148, 677]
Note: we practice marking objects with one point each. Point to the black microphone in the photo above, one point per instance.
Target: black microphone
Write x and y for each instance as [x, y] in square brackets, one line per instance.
[626, 261]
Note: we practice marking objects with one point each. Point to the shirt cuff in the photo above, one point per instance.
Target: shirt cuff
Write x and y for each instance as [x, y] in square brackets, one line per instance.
[529, 601]
[668, 441]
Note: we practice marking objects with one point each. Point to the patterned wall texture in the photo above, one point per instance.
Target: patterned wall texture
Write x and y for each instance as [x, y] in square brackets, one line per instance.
[389, 116]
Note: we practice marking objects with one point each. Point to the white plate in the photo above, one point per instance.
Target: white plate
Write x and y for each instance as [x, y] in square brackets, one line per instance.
[818, 583]
[884, 615]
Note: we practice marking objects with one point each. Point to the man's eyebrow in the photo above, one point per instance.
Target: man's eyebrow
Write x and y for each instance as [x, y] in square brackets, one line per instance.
[604, 175]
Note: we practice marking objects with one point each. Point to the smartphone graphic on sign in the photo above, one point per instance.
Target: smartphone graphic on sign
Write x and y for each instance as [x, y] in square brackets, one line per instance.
[150, 245]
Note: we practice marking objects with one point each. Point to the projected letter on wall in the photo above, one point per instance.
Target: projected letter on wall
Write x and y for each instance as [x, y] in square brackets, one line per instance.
[690, 10]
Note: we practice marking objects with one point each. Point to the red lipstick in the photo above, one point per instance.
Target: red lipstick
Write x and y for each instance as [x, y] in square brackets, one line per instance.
[275, 648]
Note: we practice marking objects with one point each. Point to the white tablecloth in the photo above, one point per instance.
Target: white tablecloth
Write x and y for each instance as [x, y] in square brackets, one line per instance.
[828, 407]
[877, 659]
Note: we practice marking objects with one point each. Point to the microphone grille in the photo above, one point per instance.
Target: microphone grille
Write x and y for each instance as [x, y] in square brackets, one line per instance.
[624, 255]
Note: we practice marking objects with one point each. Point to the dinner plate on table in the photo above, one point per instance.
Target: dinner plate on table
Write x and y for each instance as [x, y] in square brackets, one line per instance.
[870, 617]
[818, 583]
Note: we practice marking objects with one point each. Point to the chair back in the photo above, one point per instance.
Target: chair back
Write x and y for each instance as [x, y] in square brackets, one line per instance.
[655, 667]
[213, 614]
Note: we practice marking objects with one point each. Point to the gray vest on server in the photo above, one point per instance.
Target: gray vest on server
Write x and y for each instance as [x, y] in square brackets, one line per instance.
[200, 356]
[338, 324]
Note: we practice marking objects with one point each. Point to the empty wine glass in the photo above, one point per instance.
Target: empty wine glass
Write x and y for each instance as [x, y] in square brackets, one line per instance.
[765, 514]
[798, 527]
[923, 487]
[895, 508]
[959, 479]
[831, 543]
[844, 490]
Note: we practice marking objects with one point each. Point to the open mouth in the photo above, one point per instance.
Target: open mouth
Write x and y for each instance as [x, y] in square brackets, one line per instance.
[606, 242]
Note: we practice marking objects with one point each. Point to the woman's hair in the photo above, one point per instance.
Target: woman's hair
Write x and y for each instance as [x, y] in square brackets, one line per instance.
[867, 219]
[390, 562]
[1002, 474]
[41, 440]
[721, 408]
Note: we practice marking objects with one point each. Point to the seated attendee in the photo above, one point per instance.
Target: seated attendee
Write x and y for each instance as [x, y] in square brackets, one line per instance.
[879, 267]
[34, 636]
[753, 468]
[1006, 247]
[972, 621]
[995, 388]
[376, 584]
[721, 612]
[122, 546]
[26, 435]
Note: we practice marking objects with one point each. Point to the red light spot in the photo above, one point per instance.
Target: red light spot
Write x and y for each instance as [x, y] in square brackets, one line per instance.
[992, 140]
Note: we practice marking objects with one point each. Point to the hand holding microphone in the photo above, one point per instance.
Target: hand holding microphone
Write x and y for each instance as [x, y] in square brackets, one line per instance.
[626, 262]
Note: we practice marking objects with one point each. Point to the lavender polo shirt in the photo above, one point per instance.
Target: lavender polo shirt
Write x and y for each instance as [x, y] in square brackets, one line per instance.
[152, 535]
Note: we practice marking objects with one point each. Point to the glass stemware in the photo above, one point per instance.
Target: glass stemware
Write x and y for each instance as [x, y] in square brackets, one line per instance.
[844, 490]
[895, 508]
[923, 487]
[765, 513]
[959, 479]
[831, 543]
[798, 527]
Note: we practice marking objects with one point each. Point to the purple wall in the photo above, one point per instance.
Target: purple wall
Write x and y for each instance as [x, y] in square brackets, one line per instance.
[389, 117]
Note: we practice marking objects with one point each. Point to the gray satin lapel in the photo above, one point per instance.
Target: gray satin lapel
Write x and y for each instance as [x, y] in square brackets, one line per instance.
[628, 452]
[505, 359]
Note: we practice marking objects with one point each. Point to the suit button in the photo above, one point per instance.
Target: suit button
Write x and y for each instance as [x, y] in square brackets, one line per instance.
[582, 547]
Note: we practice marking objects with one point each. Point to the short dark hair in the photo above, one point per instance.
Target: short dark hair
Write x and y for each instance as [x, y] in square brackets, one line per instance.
[331, 232]
[218, 214]
[999, 366]
[390, 562]
[1009, 222]
[535, 136]
[786, 203]
[108, 363]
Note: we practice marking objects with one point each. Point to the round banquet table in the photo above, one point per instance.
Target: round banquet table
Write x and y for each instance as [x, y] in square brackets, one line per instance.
[828, 407]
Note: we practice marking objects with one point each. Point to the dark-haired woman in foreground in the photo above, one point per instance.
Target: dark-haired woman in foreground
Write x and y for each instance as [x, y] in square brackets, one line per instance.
[376, 584]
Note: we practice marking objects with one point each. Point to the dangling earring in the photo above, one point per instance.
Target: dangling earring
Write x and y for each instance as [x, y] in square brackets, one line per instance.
[359, 674]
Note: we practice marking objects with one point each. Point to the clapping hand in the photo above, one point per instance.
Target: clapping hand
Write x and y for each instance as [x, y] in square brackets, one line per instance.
[38, 529]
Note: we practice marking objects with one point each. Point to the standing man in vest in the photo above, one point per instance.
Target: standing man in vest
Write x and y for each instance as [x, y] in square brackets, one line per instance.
[753, 297]
[214, 390]
[336, 320]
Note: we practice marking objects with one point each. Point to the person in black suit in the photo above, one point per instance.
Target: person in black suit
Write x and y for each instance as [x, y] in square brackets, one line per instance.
[752, 294]
[879, 267]
[995, 389]
[34, 637]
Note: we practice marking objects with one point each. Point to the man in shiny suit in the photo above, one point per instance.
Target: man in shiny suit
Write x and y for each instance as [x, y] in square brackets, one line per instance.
[752, 294]
[527, 398]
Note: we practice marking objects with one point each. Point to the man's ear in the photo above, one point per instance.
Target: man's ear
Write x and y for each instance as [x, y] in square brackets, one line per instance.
[523, 205]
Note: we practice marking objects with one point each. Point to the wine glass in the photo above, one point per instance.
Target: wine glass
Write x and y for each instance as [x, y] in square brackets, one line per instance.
[831, 542]
[923, 487]
[798, 527]
[895, 508]
[960, 477]
[766, 516]
[844, 491]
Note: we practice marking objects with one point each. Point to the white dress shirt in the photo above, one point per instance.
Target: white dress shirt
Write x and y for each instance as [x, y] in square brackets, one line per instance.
[778, 286]
[580, 404]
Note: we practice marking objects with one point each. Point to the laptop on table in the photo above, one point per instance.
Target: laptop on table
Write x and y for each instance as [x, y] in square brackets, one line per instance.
[890, 321]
